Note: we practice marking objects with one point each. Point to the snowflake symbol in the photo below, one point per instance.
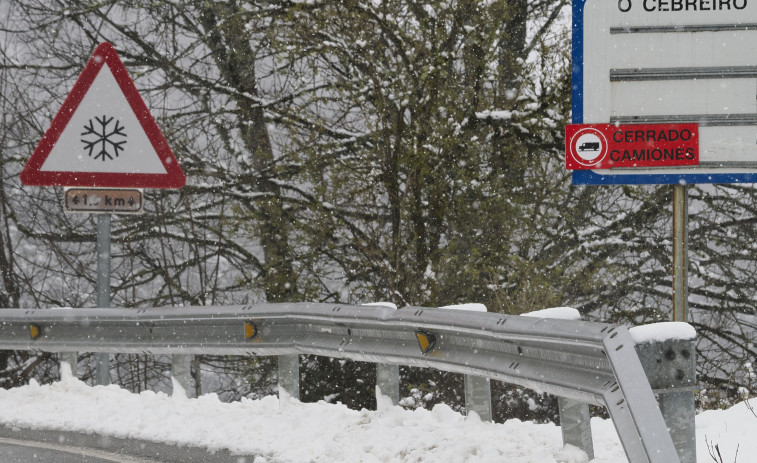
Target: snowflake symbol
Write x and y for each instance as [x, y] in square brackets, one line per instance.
[98, 136]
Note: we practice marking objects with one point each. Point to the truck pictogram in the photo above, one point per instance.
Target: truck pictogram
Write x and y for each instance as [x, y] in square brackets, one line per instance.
[589, 146]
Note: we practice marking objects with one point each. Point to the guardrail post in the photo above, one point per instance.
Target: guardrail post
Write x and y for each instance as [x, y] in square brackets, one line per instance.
[388, 381]
[289, 377]
[478, 396]
[576, 425]
[671, 369]
[181, 371]
[575, 418]
[72, 358]
[387, 376]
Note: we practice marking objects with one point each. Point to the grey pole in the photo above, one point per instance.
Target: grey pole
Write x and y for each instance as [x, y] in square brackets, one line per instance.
[102, 360]
[680, 252]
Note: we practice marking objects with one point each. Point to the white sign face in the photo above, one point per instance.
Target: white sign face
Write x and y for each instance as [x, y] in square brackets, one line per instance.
[672, 61]
[107, 134]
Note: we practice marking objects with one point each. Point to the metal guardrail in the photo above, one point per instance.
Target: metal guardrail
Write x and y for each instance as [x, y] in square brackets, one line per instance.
[579, 361]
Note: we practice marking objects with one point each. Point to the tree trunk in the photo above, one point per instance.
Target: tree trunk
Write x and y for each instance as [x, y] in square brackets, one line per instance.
[231, 43]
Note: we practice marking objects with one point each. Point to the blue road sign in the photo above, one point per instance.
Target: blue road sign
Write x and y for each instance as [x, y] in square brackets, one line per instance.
[676, 79]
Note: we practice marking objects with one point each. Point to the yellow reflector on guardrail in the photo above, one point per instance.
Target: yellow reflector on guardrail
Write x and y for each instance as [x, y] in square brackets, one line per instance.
[426, 341]
[250, 330]
[35, 330]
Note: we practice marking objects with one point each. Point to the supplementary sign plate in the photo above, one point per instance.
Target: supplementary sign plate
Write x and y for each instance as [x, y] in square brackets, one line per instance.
[103, 200]
[611, 146]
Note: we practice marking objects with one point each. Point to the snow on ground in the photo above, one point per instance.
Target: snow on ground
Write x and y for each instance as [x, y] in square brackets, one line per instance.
[294, 432]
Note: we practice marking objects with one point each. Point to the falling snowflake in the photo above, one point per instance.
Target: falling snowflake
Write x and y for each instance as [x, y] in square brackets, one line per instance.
[101, 140]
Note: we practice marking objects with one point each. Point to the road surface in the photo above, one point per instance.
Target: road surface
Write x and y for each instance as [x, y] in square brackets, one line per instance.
[21, 451]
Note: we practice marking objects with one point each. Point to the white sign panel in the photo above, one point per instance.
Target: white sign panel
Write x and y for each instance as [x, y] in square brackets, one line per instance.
[107, 133]
[671, 61]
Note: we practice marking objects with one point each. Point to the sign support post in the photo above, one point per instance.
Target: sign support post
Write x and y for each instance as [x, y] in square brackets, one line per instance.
[680, 252]
[104, 147]
[102, 359]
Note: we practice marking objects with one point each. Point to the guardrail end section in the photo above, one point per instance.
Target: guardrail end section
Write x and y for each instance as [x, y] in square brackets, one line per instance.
[670, 366]
[632, 404]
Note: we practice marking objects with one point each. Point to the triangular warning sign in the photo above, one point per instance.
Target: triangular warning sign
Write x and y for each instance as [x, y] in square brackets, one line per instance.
[104, 135]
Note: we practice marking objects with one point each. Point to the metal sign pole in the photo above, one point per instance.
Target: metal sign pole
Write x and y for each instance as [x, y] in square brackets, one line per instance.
[680, 253]
[102, 360]
[58, 160]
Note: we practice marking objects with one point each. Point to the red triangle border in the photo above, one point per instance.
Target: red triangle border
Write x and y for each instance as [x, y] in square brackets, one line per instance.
[105, 54]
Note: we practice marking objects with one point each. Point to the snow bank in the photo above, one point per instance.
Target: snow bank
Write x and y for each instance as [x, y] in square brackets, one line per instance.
[659, 332]
[314, 433]
[321, 432]
[560, 313]
[732, 430]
